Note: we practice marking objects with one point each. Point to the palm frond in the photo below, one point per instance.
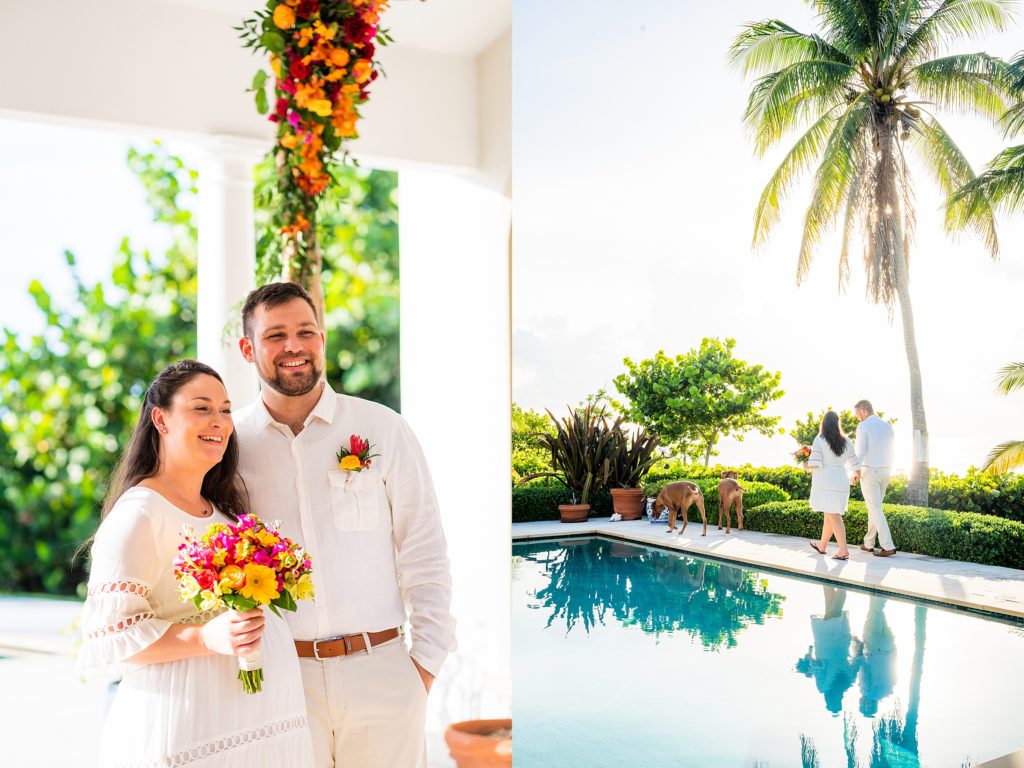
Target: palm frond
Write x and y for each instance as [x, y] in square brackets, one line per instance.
[1011, 378]
[970, 83]
[955, 20]
[1012, 122]
[800, 158]
[951, 171]
[1000, 186]
[1015, 73]
[769, 45]
[852, 25]
[854, 213]
[1005, 457]
[781, 100]
[835, 174]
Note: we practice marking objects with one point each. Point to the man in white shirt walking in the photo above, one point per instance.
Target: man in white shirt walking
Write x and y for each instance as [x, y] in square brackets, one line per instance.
[373, 531]
[874, 442]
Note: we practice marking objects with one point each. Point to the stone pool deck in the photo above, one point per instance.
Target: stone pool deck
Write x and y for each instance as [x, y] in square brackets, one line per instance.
[987, 588]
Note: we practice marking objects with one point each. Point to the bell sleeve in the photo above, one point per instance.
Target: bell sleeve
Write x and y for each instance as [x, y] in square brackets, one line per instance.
[118, 620]
[814, 461]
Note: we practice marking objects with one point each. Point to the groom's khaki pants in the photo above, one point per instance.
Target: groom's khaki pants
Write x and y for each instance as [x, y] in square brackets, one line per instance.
[367, 710]
[873, 483]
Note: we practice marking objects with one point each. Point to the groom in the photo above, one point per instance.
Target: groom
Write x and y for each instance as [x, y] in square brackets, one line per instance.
[373, 532]
[874, 441]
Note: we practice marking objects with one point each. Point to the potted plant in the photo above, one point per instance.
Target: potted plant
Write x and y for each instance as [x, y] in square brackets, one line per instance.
[632, 458]
[581, 455]
[480, 743]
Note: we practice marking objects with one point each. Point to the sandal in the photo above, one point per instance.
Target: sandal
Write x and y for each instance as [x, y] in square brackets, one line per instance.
[840, 557]
[815, 547]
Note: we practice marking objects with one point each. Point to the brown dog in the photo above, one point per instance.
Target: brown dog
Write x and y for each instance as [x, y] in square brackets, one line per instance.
[730, 493]
[678, 498]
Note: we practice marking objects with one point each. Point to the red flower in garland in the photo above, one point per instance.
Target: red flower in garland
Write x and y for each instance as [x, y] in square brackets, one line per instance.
[299, 70]
[307, 8]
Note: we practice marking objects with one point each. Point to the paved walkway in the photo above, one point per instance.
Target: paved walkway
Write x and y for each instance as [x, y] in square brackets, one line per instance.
[980, 587]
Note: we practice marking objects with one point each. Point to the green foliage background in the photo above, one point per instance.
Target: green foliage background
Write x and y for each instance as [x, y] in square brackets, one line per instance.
[358, 229]
[70, 395]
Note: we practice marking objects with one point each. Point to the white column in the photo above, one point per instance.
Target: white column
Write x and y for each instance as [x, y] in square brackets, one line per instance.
[454, 239]
[227, 257]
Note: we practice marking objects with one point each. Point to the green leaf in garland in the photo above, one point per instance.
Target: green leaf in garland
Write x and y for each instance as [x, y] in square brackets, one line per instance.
[273, 41]
[261, 102]
[259, 79]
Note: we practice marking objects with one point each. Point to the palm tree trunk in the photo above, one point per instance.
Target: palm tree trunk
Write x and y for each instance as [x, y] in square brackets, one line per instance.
[917, 487]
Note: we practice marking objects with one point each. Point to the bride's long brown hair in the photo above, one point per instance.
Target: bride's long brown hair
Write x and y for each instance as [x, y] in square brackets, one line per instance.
[141, 459]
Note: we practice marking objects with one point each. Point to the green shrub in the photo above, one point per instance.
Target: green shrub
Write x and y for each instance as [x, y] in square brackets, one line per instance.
[977, 491]
[531, 503]
[964, 536]
[755, 494]
[793, 480]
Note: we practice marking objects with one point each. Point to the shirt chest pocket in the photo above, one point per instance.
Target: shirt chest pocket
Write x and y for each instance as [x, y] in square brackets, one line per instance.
[358, 501]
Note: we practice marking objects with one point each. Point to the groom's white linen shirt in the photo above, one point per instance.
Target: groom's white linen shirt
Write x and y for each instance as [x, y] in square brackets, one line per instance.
[874, 442]
[374, 536]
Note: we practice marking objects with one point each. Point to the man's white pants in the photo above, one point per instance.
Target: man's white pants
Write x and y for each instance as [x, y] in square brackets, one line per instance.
[873, 483]
[367, 710]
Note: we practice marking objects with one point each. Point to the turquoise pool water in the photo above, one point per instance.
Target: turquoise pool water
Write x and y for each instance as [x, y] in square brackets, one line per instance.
[626, 655]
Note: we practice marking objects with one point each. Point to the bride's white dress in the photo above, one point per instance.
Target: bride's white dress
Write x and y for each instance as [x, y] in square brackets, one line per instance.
[191, 712]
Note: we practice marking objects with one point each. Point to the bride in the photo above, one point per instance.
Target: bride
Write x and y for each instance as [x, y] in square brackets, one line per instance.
[179, 701]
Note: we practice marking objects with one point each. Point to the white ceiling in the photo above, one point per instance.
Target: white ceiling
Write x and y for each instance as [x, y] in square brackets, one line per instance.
[456, 27]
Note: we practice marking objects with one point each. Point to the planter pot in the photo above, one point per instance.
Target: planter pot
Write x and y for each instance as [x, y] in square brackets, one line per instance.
[480, 743]
[574, 513]
[628, 502]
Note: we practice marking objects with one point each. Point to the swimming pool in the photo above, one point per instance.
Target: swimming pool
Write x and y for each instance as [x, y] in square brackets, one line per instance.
[625, 655]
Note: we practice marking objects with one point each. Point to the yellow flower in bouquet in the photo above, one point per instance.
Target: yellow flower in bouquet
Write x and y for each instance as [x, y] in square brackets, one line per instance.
[260, 584]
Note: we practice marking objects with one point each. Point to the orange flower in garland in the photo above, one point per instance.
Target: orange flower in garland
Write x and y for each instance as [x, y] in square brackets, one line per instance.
[322, 56]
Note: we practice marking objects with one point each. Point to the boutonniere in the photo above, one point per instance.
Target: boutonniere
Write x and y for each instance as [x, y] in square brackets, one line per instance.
[357, 456]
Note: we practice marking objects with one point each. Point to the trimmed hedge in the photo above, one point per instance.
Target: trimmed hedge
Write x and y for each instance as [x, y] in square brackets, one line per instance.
[532, 502]
[964, 536]
[977, 491]
[793, 480]
[755, 494]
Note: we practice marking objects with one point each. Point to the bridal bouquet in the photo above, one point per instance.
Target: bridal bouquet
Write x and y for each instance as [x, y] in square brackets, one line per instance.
[242, 565]
[802, 453]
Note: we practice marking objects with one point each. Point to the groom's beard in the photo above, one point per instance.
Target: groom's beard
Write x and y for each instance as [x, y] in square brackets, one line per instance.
[290, 384]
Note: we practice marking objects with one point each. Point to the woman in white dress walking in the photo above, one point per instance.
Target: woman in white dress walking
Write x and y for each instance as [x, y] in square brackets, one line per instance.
[832, 459]
[179, 701]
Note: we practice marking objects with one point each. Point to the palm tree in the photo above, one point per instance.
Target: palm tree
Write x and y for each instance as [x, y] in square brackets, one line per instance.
[1008, 456]
[865, 88]
[1002, 183]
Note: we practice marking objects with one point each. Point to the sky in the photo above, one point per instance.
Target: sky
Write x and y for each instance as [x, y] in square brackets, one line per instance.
[65, 188]
[635, 186]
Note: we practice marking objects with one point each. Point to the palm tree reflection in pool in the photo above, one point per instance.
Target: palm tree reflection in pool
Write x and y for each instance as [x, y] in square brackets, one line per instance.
[657, 592]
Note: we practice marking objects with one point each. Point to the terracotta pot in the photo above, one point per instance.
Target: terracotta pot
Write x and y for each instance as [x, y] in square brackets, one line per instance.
[574, 513]
[628, 502]
[480, 743]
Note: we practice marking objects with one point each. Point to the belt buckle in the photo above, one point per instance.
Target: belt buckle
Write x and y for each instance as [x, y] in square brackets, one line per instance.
[316, 644]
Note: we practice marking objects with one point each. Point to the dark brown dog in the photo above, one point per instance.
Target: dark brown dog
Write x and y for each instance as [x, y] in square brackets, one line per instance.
[677, 498]
[730, 493]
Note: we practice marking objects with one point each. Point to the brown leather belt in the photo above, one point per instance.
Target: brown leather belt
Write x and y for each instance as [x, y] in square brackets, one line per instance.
[342, 646]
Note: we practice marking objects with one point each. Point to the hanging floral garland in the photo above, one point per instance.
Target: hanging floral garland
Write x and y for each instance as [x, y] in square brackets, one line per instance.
[322, 59]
